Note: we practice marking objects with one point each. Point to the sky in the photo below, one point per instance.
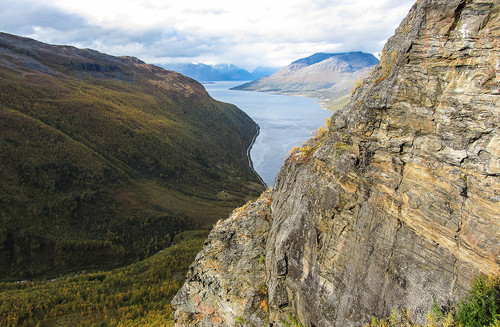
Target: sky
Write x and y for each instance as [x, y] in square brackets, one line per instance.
[245, 33]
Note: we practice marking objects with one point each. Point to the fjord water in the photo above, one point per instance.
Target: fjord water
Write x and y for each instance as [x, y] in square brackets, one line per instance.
[285, 121]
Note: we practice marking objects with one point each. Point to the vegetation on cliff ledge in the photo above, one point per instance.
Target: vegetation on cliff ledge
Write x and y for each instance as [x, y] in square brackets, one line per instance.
[480, 308]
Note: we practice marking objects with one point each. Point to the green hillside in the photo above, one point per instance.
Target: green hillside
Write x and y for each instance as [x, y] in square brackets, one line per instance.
[135, 295]
[104, 159]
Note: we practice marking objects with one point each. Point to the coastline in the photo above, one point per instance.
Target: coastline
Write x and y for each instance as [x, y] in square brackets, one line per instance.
[287, 121]
[250, 162]
[333, 104]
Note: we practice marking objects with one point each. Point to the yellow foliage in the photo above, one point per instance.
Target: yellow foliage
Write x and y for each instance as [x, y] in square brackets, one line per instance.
[306, 149]
[294, 150]
[328, 121]
[136, 295]
[357, 84]
[386, 64]
[320, 132]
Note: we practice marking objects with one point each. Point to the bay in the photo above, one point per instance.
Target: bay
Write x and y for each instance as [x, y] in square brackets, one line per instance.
[285, 121]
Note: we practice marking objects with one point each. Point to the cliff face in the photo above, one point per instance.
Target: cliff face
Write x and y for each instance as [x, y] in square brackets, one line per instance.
[397, 205]
[227, 283]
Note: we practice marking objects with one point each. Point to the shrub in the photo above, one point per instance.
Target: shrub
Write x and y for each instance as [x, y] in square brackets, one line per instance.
[262, 258]
[482, 306]
[319, 133]
[357, 84]
[301, 155]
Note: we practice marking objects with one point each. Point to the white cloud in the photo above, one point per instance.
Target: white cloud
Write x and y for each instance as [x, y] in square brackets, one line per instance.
[245, 33]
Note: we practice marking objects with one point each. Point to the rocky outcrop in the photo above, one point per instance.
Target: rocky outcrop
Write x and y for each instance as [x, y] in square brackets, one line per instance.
[398, 204]
[227, 284]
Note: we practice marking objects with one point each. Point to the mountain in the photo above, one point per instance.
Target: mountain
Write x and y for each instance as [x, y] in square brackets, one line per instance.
[229, 72]
[103, 159]
[202, 72]
[263, 71]
[322, 75]
[394, 207]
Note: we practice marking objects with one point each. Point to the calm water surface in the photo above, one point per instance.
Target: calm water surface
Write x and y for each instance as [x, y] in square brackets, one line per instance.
[285, 121]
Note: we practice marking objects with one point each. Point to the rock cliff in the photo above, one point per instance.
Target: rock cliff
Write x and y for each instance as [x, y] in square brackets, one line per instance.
[397, 205]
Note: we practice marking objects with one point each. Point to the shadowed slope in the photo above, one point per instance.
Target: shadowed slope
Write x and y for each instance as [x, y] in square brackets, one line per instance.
[103, 159]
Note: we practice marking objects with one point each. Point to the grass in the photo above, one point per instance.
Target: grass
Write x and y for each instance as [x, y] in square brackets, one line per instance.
[387, 63]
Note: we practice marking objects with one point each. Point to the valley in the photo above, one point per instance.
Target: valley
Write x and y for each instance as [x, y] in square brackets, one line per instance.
[284, 121]
[129, 193]
[105, 159]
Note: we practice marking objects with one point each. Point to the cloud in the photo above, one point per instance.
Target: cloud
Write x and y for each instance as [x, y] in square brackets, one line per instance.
[23, 16]
[249, 33]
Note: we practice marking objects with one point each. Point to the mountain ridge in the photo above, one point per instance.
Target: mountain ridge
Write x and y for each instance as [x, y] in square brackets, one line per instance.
[105, 159]
[325, 76]
[219, 72]
[359, 58]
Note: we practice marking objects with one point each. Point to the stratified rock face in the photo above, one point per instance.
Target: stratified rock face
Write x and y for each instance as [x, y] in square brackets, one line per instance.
[399, 203]
[227, 283]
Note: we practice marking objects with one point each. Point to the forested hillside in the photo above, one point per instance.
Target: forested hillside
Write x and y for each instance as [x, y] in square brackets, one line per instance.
[103, 160]
[135, 295]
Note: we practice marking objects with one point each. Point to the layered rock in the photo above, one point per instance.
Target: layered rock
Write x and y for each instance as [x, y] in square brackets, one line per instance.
[398, 204]
[227, 285]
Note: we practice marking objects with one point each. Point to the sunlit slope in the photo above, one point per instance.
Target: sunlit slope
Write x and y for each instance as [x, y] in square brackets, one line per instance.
[326, 76]
[135, 295]
[103, 159]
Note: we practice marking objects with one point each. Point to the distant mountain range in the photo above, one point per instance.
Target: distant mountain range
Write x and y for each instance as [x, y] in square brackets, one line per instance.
[221, 72]
[323, 75]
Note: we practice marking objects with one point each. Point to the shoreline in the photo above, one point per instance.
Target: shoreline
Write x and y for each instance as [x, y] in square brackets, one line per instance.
[332, 105]
[250, 162]
[270, 148]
